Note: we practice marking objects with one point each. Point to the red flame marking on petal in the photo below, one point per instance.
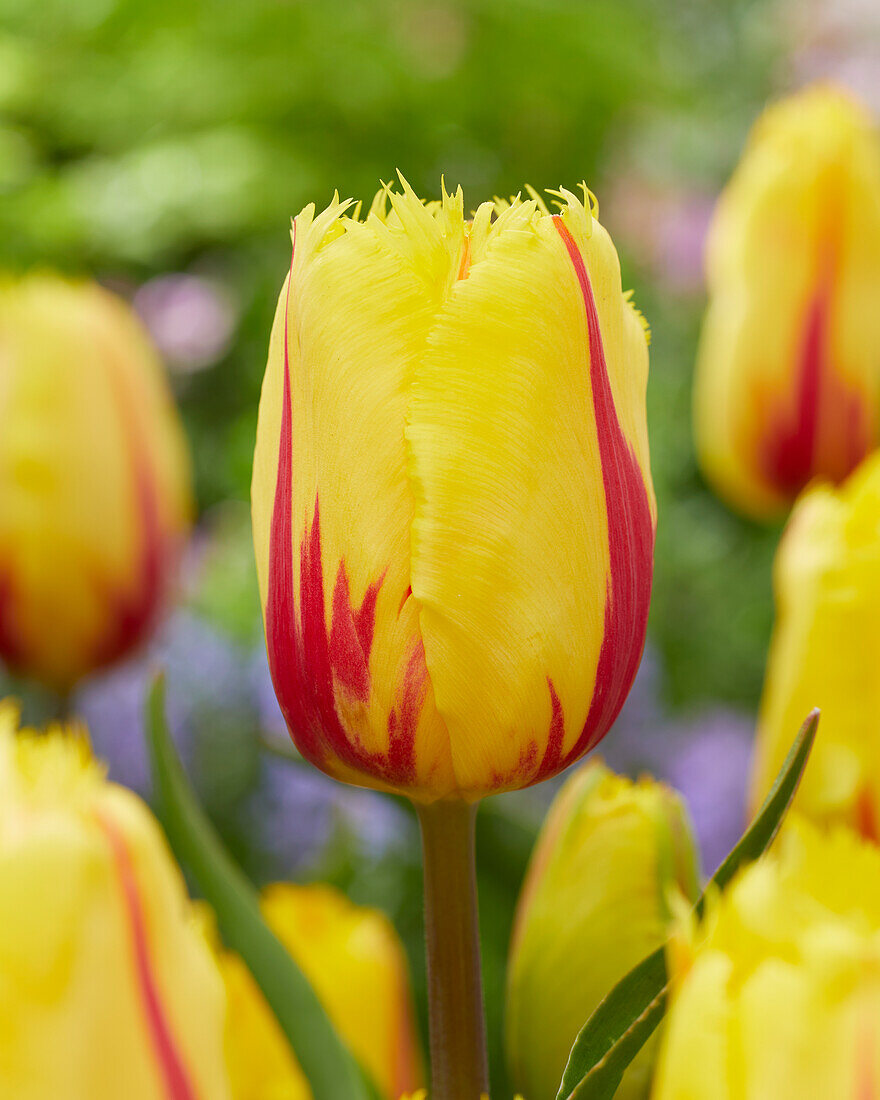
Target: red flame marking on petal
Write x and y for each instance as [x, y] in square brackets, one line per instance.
[827, 432]
[630, 540]
[552, 759]
[10, 645]
[134, 612]
[171, 1068]
[866, 818]
[351, 636]
[406, 595]
[403, 719]
[308, 664]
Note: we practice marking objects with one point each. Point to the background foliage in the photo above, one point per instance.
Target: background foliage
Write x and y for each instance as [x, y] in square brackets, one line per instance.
[163, 145]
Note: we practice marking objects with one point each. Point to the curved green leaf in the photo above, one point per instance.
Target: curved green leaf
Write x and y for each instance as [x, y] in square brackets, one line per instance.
[331, 1069]
[624, 1021]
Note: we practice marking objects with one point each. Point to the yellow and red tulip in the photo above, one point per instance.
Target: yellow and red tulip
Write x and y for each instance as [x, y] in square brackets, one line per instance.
[594, 903]
[788, 373]
[356, 964]
[452, 503]
[107, 987]
[825, 651]
[777, 992]
[94, 480]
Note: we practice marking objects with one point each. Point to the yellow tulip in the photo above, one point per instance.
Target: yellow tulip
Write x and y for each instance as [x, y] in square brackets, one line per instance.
[452, 504]
[107, 988]
[594, 904]
[356, 964]
[788, 372]
[777, 993]
[94, 479]
[825, 651]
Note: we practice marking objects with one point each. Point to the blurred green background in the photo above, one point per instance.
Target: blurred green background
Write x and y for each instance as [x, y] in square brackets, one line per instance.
[163, 145]
[142, 137]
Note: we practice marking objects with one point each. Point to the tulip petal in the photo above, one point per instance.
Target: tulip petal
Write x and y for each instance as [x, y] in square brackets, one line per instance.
[172, 1070]
[787, 384]
[533, 528]
[331, 502]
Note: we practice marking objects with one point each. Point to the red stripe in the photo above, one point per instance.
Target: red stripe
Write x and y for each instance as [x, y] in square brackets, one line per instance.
[133, 613]
[828, 432]
[630, 547]
[11, 650]
[171, 1068]
[308, 664]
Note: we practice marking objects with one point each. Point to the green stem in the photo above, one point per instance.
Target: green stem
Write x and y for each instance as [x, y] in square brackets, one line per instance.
[459, 1066]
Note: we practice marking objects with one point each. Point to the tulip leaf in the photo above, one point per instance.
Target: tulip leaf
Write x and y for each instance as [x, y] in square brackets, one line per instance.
[625, 1020]
[331, 1069]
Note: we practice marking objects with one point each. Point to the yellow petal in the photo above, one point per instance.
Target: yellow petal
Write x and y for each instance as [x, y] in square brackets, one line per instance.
[788, 383]
[825, 651]
[513, 552]
[94, 477]
[332, 529]
[592, 906]
[107, 986]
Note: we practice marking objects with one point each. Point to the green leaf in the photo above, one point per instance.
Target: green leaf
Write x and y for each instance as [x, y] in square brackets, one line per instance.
[625, 1020]
[331, 1069]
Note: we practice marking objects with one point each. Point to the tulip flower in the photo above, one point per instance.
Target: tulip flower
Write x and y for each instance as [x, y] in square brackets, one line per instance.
[593, 905]
[107, 987]
[453, 514]
[825, 651]
[453, 522]
[357, 966]
[777, 992]
[788, 372]
[94, 480]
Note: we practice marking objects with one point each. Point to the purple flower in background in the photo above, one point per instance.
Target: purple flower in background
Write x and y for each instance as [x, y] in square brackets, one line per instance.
[190, 318]
[711, 769]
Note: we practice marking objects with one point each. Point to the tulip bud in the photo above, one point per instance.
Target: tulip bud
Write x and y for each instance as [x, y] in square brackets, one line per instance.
[825, 651]
[107, 988]
[453, 512]
[94, 480]
[594, 904]
[357, 966]
[788, 372]
[777, 992]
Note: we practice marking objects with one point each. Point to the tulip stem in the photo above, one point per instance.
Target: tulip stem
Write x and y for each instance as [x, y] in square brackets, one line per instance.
[459, 1066]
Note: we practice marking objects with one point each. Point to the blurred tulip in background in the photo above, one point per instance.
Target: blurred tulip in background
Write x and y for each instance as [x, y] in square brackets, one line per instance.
[826, 651]
[594, 903]
[788, 374]
[94, 479]
[358, 968]
[108, 987]
[453, 510]
[776, 993]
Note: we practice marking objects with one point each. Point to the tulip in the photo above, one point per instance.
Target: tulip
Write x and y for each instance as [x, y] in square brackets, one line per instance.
[825, 651]
[107, 987]
[593, 905]
[776, 993]
[357, 966]
[94, 480]
[788, 372]
[453, 513]
[453, 523]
